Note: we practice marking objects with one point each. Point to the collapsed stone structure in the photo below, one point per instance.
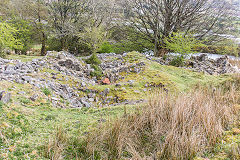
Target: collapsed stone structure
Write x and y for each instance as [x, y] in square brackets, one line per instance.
[202, 63]
[56, 68]
[61, 66]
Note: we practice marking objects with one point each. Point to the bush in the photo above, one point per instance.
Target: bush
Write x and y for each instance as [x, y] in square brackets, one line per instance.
[53, 44]
[78, 48]
[8, 38]
[219, 49]
[180, 43]
[177, 61]
[24, 34]
[129, 39]
[106, 47]
[93, 60]
[97, 72]
[46, 91]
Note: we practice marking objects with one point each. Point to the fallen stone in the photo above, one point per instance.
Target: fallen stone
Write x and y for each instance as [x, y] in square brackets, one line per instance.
[86, 104]
[106, 91]
[91, 99]
[5, 97]
[34, 97]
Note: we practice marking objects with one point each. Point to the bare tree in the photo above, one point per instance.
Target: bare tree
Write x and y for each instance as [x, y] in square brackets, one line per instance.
[39, 15]
[70, 18]
[64, 15]
[157, 19]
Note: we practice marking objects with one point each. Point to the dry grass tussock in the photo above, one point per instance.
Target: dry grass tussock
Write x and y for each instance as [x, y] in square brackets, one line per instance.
[235, 63]
[56, 146]
[169, 127]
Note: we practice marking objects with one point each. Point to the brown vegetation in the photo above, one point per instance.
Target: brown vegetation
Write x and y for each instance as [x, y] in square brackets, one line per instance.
[55, 147]
[235, 63]
[169, 127]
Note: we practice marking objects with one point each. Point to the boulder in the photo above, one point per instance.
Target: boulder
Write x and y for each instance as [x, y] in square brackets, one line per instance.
[5, 97]
[34, 97]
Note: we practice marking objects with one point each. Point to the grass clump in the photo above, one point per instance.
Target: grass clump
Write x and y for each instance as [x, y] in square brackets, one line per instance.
[46, 91]
[97, 71]
[55, 147]
[94, 60]
[177, 61]
[106, 47]
[169, 127]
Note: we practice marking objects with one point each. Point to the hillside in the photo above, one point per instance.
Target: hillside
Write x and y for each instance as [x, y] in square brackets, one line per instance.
[42, 94]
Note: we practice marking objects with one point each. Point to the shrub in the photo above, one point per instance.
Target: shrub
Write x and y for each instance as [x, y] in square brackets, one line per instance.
[94, 60]
[177, 61]
[129, 39]
[24, 33]
[219, 49]
[97, 72]
[46, 91]
[181, 44]
[8, 38]
[53, 44]
[106, 47]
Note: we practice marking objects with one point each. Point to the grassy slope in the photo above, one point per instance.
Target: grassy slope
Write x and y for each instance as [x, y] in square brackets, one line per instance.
[38, 120]
[173, 78]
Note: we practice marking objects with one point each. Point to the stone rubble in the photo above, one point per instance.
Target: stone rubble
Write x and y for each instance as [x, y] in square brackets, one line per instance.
[202, 63]
[5, 97]
[56, 67]
[64, 66]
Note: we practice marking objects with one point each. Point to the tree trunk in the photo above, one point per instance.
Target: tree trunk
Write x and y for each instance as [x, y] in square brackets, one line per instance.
[161, 52]
[63, 44]
[43, 49]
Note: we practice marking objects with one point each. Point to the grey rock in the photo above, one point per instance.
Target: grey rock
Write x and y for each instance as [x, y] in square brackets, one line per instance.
[131, 82]
[21, 93]
[5, 97]
[86, 104]
[27, 78]
[55, 99]
[118, 85]
[34, 97]
[91, 95]
[137, 91]
[83, 84]
[106, 91]
[91, 99]
[76, 103]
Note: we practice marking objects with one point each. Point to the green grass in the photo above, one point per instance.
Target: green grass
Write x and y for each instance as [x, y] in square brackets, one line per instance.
[174, 79]
[23, 58]
[38, 120]
[37, 46]
[41, 121]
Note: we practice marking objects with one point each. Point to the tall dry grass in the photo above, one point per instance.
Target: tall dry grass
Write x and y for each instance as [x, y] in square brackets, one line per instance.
[235, 63]
[169, 127]
[174, 127]
[54, 150]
